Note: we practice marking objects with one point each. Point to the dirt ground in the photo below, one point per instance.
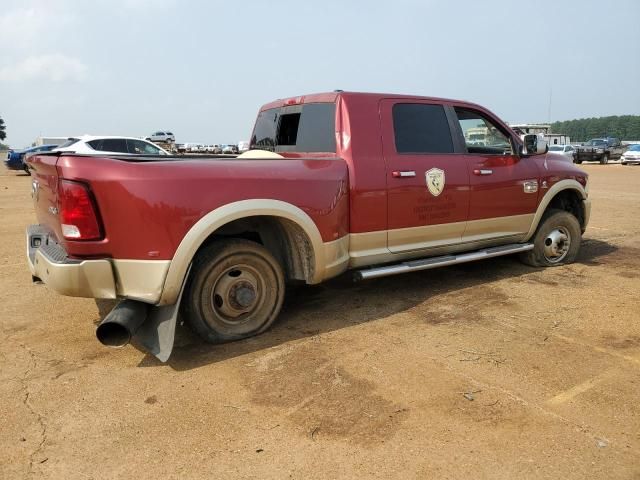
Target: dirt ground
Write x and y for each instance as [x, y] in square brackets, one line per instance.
[487, 370]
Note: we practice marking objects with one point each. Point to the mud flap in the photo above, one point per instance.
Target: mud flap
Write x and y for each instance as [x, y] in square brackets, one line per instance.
[158, 331]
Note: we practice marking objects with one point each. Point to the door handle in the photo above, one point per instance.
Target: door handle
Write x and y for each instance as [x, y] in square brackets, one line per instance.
[480, 171]
[403, 173]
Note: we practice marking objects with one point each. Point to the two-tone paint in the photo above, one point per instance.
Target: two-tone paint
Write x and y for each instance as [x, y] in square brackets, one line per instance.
[348, 208]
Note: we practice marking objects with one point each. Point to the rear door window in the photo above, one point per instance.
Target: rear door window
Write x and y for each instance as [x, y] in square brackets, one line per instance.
[421, 128]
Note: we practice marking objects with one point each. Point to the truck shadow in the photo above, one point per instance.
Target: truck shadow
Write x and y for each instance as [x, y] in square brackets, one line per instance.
[341, 303]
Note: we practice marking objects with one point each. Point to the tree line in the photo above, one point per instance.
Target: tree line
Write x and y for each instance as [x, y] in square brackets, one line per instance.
[624, 127]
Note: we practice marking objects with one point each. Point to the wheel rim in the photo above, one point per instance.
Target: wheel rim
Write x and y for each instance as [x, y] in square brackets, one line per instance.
[236, 293]
[556, 245]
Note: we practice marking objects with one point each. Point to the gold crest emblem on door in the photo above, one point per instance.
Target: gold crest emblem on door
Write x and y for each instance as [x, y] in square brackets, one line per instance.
[435, 181]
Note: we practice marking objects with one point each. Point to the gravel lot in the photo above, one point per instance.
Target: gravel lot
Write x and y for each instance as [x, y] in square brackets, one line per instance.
[487, 370]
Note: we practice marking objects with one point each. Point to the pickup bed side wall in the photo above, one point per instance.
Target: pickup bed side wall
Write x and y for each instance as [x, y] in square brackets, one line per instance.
[147, 208]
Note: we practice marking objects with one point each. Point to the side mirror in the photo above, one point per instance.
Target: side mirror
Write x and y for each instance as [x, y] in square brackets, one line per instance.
[534, 144]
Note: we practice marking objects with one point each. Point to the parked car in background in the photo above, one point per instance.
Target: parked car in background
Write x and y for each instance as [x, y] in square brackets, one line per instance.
[599, 150]
[180, 147]
[243, 146]
[566, 150]
[229, 149]
[16, 158]
[90, 144]
[215, 149]
[162, 136]
[632, 155]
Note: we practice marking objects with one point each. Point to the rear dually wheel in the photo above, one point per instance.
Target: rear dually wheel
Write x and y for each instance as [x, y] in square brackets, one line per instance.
[236, 291]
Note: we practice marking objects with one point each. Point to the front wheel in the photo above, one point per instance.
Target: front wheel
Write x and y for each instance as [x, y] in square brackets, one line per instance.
[605, 159]
[236, 291]
[556, 241]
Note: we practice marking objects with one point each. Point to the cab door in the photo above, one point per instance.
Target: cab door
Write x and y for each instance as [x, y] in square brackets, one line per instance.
[427, 181]
[504, 187]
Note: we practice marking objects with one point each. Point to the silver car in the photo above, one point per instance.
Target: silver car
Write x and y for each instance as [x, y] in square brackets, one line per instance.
[632, 155]
[161, 136]
[567, 150]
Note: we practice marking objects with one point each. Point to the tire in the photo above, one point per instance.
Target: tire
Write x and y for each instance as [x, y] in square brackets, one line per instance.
[26, 169]
[624, 163]
[235, 291]
[604, 160]
[578, 161]
[556, 241]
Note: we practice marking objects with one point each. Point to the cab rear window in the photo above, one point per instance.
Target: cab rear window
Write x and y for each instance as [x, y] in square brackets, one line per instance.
[297, 128]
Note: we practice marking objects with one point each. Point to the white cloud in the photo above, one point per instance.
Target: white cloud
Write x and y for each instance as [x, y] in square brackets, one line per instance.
[53, 67]
[19, 27]
[141, 4]
[24, 27]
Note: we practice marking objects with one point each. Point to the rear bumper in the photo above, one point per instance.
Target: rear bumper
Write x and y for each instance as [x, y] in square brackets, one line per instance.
[589, 156]
[100, 278]
[49, 263]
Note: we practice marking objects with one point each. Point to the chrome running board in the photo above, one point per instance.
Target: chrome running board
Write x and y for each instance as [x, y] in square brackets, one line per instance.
[442, 261]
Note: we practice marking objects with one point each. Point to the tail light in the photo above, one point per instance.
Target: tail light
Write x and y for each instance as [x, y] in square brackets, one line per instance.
[78, 213]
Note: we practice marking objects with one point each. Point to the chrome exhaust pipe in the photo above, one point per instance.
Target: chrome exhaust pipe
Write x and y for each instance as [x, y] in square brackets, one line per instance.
[121, 323]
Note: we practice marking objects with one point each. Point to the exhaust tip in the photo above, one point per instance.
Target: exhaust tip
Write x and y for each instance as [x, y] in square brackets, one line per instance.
[113, 335]
[121, 323]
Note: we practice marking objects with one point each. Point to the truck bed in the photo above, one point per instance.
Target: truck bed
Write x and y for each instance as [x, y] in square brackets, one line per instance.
[146, 204]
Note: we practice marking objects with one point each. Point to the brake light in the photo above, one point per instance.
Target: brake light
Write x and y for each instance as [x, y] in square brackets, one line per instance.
[294, 101]
[78, 214]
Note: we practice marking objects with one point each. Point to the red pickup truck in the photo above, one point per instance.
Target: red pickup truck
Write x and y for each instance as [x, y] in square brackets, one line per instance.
[379, 184]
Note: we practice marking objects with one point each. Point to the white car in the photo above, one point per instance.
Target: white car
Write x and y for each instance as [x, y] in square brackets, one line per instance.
[566, 150]
[112, 145]
[161, 136]
[229, 149]
[632, 155]
[243, 146]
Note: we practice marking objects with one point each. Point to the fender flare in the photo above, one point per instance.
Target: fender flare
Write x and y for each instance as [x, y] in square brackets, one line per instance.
[225, 214]
[558, 187]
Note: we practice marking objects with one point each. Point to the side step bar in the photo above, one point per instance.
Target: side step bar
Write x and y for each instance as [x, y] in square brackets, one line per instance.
[443, 261]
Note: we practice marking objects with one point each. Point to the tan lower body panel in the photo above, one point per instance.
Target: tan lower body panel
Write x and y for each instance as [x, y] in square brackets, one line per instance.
[373, 248]
[488, 228]
[336, 257]
[429, 236]
[140, 279]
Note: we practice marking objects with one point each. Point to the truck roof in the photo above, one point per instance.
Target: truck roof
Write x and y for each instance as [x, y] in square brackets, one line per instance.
[331, 97]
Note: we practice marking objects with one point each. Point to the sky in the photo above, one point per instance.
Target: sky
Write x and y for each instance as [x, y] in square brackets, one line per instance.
[203, 68]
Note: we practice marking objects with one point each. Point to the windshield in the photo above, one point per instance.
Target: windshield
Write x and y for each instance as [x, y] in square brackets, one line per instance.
[634, 148]
[556, 148]
[596, 141]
